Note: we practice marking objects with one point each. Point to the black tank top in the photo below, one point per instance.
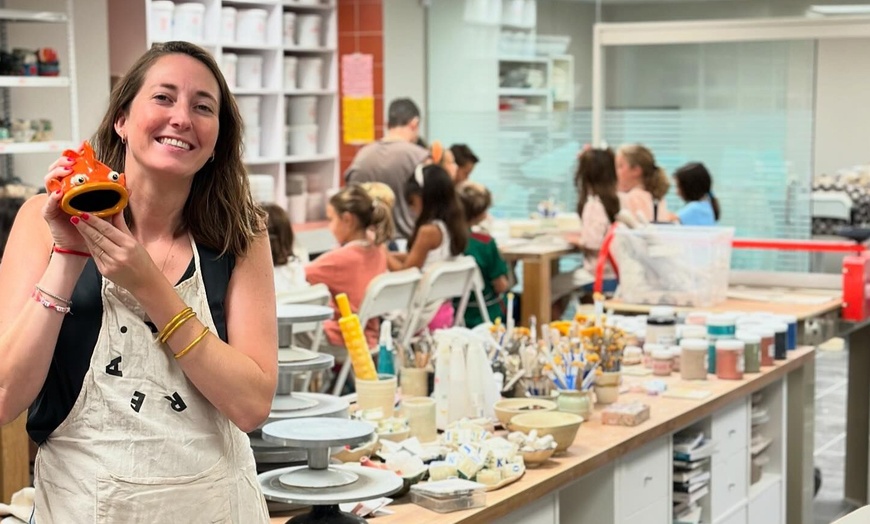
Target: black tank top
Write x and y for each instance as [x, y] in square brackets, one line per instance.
[80, 330]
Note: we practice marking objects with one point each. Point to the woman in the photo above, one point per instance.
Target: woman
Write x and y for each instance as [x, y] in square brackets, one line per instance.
[642, 183]
[132, 429]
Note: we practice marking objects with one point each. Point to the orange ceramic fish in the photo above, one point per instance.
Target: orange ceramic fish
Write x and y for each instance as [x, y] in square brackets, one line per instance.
[91, 187]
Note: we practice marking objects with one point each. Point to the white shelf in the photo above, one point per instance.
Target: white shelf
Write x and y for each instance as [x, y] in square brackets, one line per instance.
[524, 59]
[523, 91]
[293, 6]
[252, 47]
[261, 160]
[251, 2]
[54, 146]
[34, 81]
[303, 92]
[308, 158]
[766, 481]
[298, 49]
[255, 91]
[18, 15]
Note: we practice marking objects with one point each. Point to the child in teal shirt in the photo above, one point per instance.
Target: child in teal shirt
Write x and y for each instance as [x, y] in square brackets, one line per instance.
[476, 200]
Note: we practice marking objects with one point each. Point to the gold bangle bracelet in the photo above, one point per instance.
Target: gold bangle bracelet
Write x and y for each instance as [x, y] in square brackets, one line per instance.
[190, 346]
[172, 322]
[177, 325]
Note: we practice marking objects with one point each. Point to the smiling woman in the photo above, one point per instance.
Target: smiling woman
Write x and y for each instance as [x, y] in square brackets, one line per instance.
[170, 350]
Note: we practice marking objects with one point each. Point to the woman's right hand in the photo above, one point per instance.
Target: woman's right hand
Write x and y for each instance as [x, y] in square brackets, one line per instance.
[63, 233]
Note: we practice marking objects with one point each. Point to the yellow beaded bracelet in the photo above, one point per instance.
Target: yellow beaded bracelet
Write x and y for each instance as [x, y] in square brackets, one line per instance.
[190, 346]
[169, 325]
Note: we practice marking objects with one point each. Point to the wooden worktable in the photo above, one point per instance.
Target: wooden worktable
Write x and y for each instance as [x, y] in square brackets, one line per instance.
[597, 445]
[540, 263]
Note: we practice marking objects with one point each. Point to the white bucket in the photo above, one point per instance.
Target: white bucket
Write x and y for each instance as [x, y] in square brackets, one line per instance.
[187, 22]
[297, 184]
[162, 12]
[290, 63]
[262, 188]
[229, 67]
[308, 29]
[310, 73]
[302, 140]
[251, 26]
[228, 24]
[315, 207]
[249, 108]
[252, 141]
[301, 110]
[250, 72]
[297, 208]
[289, 29]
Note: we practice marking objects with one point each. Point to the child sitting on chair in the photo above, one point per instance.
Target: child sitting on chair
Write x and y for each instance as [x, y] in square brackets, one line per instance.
[476, 200]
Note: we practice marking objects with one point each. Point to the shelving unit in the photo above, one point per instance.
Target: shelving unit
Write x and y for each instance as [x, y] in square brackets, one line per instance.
[273, 156]
[66, 82]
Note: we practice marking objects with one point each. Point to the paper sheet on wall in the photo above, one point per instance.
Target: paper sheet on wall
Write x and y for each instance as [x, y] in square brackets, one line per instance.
[358, 119]
[357, 78]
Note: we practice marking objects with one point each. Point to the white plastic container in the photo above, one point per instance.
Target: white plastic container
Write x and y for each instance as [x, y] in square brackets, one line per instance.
[187, 22]
[228, 24]
[310, 73]
[297, 208]
[249, 107]
[289, 29]
[162, 13]
[229, 67]
[252, 141]
[290, 65]
[251, 26]
[250, 72]
[316, 211]
[302, 140]
[301, 110]
[262, 188]
[308, 30]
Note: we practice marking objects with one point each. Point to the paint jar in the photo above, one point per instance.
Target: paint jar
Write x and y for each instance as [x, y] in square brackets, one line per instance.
[791, 335]
[751, 351]
[288, 27]
[162, 12]
[228, 24]
[697, 318]
[310, 73]
[780, 340]
[662, 311]
[251, 26]
[187, 22]
[229, 67]
[661, 330]
[249, 74]
[690, 331]
[632, 355]
[693, 359]
[676, 352]
[648, 350]
[768, 343]
[729, 359]
[718, 327]
[663, 362]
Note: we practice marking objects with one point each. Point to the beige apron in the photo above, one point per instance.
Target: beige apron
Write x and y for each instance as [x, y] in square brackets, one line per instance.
[141, 444]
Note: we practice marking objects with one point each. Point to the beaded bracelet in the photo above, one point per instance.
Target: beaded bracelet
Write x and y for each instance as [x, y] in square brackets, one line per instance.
[37, 296]
[66, 301]
[192, 344]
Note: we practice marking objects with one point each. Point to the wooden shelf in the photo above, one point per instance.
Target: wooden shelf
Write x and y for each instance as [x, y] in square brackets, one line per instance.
[34, 81]
[20, 15]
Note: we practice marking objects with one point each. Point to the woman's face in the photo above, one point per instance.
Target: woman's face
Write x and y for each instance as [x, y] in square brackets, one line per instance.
[627, 175]
[172, 124]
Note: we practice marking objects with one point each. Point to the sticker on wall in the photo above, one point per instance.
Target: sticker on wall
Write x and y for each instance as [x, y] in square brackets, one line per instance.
[358, 119]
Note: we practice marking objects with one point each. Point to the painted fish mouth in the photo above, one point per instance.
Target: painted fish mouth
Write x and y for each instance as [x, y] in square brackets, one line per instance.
[99, 199]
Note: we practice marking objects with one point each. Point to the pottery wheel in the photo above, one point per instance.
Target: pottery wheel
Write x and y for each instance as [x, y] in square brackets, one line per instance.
[317, 433]
[370, 484]
[289, 314]
[294, 354]
[297, 360]
[322, 406]
[306, 477]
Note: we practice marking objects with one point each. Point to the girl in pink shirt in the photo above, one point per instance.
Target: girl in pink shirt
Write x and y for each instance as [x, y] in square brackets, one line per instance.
[597, 205]
[353, 214]
[642, 184]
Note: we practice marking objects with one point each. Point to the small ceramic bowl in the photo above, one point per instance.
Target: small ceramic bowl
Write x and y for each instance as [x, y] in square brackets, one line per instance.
[563, 426]
[353, 455]
[535, 458]
[506, 409]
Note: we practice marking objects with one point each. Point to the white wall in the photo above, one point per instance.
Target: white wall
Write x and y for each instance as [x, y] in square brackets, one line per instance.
[405, 53]
[575, 19]
[842, 135]
[92, 70]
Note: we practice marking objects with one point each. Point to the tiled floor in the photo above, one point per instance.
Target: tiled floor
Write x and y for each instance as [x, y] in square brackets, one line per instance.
[830, 438]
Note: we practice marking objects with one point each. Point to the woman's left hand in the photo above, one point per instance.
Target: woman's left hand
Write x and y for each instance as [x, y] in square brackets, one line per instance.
[118, 256]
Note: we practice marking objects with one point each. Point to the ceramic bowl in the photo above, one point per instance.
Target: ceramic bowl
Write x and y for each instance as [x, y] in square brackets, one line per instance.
[353, 455]
[506, 409]
[535, 458]
[563, 426]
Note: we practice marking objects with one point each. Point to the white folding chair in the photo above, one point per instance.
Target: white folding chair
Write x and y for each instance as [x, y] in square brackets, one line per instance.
[317, 295]
[385, 293]
[446, 280]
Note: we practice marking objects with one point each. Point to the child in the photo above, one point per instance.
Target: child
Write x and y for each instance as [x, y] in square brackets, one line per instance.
[348, 269]
[440, 232]
[289, 274]
[465, 160]
[642, 184]
[476, 199]
[695, 186]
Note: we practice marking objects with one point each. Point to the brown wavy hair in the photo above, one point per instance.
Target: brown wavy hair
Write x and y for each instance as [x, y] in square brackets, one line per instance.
[596, 175]
[655, 180]
[372, 213]
[219, 212]
[280, 234]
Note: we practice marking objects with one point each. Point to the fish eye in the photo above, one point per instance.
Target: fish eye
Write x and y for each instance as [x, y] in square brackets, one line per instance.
[79, 180]
[114, 176]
